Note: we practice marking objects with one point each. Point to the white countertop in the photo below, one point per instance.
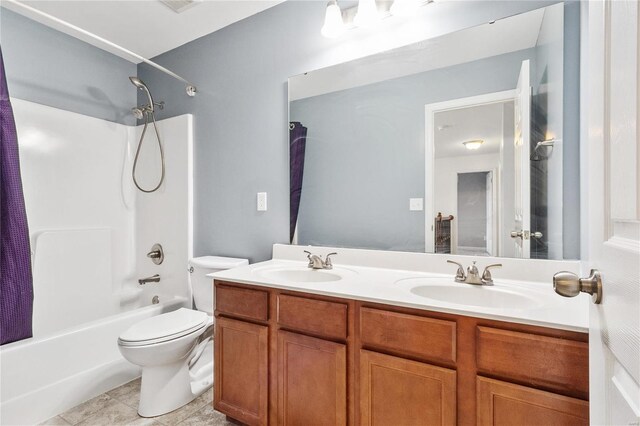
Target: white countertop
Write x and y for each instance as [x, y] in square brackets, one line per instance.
[539, 305]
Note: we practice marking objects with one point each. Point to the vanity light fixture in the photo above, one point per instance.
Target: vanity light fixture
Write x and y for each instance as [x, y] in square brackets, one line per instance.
[333, 24]
[404, 7]
[473, 145]
[367, 13]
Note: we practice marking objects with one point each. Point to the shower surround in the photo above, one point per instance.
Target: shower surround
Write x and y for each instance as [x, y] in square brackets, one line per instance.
[90, 231]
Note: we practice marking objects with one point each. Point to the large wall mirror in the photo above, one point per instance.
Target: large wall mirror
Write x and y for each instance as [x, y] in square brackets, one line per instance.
[462, 144]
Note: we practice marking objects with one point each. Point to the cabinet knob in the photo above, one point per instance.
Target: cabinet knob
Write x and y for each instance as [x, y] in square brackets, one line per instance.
[568, 284]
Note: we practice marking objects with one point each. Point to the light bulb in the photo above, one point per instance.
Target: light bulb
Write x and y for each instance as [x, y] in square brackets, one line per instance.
[333, 25]
[367, 15]
[404, 7]
[473, 145]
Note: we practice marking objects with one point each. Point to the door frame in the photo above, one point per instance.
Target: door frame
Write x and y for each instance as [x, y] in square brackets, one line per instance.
[430, 111]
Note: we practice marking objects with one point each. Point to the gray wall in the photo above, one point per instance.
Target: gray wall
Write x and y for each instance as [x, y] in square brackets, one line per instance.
[51, 68]
[571, 133]
[365, 153]
[472, 209]
[241, 141]
[556, 96]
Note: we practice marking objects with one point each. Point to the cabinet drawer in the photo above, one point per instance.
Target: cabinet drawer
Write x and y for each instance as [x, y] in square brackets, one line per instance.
[242, 302]
[319, 317]
[413, 335]
[501, 403]
[556, 364]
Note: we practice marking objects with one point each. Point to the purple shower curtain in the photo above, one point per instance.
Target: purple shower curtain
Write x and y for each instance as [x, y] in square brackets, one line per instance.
[297, 144]
[16, 286]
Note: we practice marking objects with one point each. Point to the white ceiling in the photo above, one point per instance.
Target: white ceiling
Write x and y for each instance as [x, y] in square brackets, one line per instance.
[464, 124]
[145, 27]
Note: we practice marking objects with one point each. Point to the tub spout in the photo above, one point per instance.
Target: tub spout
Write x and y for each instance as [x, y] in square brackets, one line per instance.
[152, 279]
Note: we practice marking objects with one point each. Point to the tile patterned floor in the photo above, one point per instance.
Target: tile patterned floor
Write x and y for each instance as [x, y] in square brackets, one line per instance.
[119, 407]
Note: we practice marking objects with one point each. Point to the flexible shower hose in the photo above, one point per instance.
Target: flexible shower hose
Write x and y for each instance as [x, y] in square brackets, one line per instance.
[135, 161]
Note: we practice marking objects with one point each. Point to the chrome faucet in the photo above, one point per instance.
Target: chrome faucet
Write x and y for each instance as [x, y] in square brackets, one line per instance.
[316, 262]
[152, 279]
[486, 275]
[472, 276]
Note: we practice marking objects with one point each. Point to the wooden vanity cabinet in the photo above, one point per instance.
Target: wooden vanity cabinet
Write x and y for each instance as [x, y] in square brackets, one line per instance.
[290, 358]
[241, 348]
[506, 404]
[312, 380]
[398, 391]
[241, 368]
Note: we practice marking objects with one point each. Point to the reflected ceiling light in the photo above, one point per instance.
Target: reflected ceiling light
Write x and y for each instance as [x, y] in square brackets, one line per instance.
[473, 145]
[333, 25]
[405, 7]
[367, 15]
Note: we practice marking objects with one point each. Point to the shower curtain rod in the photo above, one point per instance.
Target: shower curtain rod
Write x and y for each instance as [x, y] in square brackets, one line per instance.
[190, 89]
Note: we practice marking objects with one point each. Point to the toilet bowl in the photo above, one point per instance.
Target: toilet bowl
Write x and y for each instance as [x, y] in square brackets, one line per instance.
[174, 349]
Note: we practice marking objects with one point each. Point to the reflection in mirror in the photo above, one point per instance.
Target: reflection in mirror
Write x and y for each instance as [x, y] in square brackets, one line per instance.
[463, 144]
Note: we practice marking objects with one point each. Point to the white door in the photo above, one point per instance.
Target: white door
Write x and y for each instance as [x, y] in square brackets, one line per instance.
[490, 237]
[613, 213]
[522, 142]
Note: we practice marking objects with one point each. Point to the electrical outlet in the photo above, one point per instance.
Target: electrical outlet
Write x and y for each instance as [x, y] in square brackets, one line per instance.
[262, 201]
[416, 204]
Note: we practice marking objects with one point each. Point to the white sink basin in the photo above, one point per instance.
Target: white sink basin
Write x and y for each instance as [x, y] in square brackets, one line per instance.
[496, 297]
[302, 274]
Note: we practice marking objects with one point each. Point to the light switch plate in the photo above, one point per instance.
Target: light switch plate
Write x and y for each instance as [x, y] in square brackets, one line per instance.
[416, 204]
[262, 201]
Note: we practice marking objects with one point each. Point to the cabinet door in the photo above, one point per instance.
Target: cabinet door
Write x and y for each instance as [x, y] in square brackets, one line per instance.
[312, 381]
[501, 403]
[241, 370]
[397, 391]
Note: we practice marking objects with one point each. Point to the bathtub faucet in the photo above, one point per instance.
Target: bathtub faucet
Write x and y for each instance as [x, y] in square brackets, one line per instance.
[152, 279]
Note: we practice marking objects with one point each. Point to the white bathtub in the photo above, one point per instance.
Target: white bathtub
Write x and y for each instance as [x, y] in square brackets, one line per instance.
[45, 376]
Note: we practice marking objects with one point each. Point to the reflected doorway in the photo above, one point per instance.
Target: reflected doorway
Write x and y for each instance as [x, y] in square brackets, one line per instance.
[475, 214]
[473, 184]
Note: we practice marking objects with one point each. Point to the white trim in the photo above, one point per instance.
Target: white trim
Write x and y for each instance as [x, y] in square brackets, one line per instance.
[429, 112]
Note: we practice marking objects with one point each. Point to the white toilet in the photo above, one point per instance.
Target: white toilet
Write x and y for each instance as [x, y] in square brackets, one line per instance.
[177, 363]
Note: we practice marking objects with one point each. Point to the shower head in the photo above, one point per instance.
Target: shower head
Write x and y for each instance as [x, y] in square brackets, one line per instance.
[141, 86]
[137, 82]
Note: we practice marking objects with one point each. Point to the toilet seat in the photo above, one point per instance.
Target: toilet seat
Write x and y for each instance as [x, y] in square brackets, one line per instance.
[164, 327]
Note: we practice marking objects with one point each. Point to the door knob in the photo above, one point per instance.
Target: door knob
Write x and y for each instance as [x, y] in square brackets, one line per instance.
[568, 284]
[526, 234]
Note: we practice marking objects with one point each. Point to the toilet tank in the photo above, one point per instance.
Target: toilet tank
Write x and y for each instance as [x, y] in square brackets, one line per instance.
[202, 285]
